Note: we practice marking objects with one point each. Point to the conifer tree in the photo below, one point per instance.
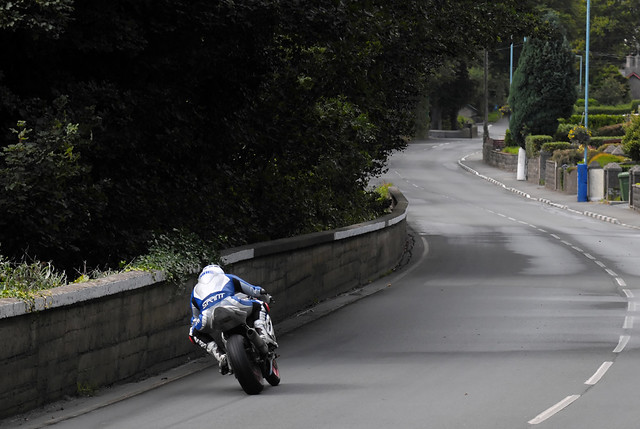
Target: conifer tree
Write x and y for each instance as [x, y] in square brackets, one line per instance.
[543, 87]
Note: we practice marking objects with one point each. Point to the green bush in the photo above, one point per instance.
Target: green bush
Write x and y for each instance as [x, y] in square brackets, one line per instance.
[631, 140]
[553, 146]
[606, 158]
[47, 199]
[610, 130]
[178, 254]
[534, 143]
[601, 140]
[509, 140]
[567, 156]
[634, 106]
[562, 133]
[24, 280]
[592, 102]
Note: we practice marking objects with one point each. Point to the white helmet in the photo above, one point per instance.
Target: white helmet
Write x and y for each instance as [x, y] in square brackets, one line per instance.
[209, 273]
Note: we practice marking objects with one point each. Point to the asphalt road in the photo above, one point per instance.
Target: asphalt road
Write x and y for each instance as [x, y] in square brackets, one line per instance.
[511, 314]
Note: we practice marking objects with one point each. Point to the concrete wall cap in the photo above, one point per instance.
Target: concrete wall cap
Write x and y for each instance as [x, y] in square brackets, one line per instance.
[78, 292]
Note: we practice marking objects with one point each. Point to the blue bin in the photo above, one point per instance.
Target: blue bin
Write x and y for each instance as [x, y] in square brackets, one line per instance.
[583, 174]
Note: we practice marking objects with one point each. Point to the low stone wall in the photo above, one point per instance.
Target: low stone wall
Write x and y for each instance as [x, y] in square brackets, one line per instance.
[570, 181]
[492, 156]
[635, 191]
[85, 336]
[551, 175]
[465, 133]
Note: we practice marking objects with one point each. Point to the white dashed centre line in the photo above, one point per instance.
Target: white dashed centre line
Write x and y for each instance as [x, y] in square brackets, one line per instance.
[550, 412]
[599, 373]
[622, 343]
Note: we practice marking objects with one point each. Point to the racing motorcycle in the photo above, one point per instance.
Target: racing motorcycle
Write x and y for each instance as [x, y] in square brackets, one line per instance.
[250, 358]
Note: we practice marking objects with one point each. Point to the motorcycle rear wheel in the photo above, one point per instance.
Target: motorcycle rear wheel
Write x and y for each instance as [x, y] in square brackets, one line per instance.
[246, 371]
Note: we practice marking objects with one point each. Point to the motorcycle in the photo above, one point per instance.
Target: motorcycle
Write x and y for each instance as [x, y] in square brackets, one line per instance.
[250, 358]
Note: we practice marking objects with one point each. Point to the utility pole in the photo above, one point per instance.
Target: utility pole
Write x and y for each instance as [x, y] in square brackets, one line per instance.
[485, 134]
[511, 65]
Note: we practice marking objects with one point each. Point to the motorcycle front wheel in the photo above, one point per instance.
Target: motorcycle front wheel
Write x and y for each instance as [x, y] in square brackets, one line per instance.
[247, 371]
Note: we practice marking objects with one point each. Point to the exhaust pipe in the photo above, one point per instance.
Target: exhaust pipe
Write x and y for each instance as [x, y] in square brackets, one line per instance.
[257, 341]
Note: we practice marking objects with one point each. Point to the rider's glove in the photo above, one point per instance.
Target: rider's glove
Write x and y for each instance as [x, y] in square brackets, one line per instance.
[265, 297]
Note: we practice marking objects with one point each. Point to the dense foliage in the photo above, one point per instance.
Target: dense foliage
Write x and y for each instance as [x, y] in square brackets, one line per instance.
[543, 88]
[239, 121]
[631, 140]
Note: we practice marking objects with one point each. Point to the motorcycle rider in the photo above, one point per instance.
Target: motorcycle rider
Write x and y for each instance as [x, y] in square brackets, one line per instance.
[214, 288]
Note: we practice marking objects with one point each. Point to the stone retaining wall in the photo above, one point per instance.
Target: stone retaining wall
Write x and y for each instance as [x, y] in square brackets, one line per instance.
[84, 336]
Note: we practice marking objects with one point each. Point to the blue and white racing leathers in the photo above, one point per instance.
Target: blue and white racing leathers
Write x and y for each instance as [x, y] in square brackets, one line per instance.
[215, 288]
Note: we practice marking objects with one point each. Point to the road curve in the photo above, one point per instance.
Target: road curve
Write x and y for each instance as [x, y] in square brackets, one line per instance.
[512, 313]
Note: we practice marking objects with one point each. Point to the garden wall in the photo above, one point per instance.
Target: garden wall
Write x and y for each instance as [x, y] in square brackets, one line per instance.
[495, 158]
[635, 190]
[123, 327]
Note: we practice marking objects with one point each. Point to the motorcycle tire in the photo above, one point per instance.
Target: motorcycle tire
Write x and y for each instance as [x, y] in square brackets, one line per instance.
[274, 378]
[246, 371]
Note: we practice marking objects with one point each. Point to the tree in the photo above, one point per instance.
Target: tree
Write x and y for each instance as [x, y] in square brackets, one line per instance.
[610, 87]
[240, 121]
[544, 86]
[452, 90]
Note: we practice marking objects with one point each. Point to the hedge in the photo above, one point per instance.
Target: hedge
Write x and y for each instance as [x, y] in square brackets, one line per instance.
[553, 146]
[533, 143]
[595, 121]
[598, 141]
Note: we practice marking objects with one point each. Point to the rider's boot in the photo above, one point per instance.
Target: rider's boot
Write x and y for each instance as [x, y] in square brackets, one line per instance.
[264, 327]
[223, 364]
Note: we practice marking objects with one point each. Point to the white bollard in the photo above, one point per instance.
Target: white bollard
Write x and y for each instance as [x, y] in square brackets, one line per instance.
[522, 165]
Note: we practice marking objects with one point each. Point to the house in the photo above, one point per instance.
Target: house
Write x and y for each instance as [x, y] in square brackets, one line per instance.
[632, 72]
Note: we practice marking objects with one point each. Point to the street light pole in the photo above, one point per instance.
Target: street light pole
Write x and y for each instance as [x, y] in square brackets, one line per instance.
[580, 81]
[583, 169]
[586, 78]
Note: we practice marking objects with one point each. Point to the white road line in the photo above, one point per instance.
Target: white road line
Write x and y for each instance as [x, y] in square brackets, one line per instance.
[512, 219]
[590, 256]
[622, 283]
[628, 322]
[566, 243]
[622, 343]
[628, 293]
[578, 249]
[553, 410]
[611, 272]
[541, 230]
[599, 373]
[631, 306]
[600, 264]
[555, 236]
